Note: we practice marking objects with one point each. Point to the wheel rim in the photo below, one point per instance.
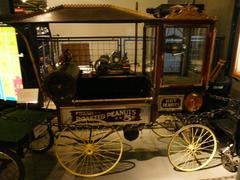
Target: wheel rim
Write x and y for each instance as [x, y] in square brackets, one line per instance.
[192, 147]
[8, 168]
[88, 150]
[42, 142]
[165, 126]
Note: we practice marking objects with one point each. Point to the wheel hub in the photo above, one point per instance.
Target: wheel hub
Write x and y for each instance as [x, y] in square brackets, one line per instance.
[89, 149]
[192, 148]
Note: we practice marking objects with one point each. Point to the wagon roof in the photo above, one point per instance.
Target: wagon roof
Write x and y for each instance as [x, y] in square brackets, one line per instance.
[103, 13]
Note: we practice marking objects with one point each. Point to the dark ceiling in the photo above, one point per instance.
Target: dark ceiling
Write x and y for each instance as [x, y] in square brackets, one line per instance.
[31, 5]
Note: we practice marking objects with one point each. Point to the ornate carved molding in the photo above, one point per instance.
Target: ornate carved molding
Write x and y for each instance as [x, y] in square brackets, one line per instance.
[187, 12]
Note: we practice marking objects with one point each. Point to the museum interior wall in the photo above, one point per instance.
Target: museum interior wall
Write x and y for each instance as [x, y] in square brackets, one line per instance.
[101, 30]
[223, 11]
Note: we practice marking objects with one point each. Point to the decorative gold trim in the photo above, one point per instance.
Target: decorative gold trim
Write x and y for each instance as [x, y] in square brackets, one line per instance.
[187, 12]
[138, 13]
[113, 100]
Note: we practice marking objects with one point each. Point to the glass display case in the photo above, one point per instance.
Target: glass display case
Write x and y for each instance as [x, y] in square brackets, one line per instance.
[185, 51]
[179, 60]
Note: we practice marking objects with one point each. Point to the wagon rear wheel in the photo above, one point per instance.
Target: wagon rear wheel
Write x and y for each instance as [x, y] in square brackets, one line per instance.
[192, 147]
[88, 148]
[166, 126]
[43, 142]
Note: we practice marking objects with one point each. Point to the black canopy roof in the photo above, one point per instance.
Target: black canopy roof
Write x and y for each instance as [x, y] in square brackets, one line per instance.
[103, 13]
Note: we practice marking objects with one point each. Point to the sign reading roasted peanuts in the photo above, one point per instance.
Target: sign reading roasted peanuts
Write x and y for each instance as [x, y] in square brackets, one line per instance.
[107, 115]
[114, 115]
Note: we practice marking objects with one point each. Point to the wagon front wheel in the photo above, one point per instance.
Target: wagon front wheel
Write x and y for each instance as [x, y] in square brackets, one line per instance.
[88, 149]
[192, 147]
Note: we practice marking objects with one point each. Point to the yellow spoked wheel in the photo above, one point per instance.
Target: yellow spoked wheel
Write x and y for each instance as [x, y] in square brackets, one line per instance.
[192, 147]
[88, 148]
[165, 126]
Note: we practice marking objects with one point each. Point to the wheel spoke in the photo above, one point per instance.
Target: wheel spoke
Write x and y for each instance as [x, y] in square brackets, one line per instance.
[82, 162]
[66, 153]
[69, 137]
[194, 135]
[205, 150]
[67, 144]
[185, 138]
[180, 145]
[182, 157]
[78, 138]
[107, 143]
[110, 152]
[205, 147]
[204, 142]
[101, 162]
[201, 136]
[86, 166]
[106, 157]
[177, 151]
[91, 164]
[73, 159]
[104, 136]
[188, 158]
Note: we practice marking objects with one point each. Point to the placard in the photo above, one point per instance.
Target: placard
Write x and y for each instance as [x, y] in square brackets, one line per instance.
[118, 114]
[28, 95]
[170, 102]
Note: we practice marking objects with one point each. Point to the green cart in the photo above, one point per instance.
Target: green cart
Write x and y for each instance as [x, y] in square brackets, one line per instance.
[21, 129]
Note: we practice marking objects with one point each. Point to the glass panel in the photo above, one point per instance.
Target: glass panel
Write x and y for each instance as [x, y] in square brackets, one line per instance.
[184, 55]
[150, 51]
[237, 59]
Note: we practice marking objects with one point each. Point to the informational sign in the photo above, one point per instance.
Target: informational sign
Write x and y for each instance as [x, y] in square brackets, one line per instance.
[170, 102]
[28, 95]
[10, 71]
[128, 114]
